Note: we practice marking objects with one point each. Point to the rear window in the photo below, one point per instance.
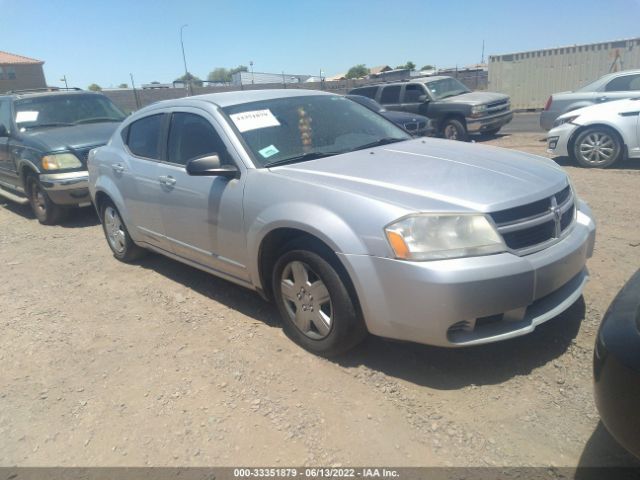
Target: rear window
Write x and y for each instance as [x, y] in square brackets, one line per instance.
[390, 94]
[144, 137]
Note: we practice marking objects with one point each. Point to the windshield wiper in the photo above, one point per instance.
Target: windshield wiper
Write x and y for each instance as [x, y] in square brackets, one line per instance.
[380, 142]
[451, 95]
[98, 119]
[301, 158]
[52, 124]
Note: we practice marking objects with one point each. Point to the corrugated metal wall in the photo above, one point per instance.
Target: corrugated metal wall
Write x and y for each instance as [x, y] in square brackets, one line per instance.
[530, 77]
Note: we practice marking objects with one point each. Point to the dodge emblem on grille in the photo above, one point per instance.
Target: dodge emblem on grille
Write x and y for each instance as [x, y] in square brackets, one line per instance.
[557, 216]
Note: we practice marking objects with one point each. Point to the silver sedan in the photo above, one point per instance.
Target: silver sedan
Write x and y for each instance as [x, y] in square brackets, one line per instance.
[346, 222]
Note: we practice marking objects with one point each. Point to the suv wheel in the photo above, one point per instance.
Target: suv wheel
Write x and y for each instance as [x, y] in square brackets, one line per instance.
[317, 311]
[597, 147]
[453, 129]
[47, 212]
[118, 238]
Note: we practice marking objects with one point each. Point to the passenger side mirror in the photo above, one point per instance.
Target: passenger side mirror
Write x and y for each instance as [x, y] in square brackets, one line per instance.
[3, 131]
[423, 98]
[210, 166]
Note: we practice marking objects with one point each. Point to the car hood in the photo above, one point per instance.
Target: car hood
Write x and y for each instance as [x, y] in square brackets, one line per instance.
[403, 116]
[72, 137]
[475, 98]
[434, 174]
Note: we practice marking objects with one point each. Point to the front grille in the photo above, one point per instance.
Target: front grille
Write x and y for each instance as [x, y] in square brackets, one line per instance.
[83, 153]
[531, 227]
[411, 126]
[497, 107]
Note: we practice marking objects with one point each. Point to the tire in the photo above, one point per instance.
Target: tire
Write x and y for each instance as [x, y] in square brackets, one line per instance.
[453, 129]
[117, 235]
[317, 310]
[47, 212]
[597, 147]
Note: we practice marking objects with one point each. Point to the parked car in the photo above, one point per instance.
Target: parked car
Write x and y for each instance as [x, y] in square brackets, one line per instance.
[598, 136]
[616, 367]
[347, 222]
[614, 86]
[454, 109]
[416, 125]
[45, 137]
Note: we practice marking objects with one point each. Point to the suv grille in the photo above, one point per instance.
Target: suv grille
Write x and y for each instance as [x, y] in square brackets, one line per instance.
[83, 153]
[497, 107]
[532, 227]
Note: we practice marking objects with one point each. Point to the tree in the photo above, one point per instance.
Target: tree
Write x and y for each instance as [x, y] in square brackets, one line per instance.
[357, 71]
[94, 87]
[189, 78]
[224, 75]
[123, 85]
[409, 66]
[428, 67]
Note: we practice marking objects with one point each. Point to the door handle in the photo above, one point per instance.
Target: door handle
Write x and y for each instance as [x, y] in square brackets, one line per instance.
[117, 167]
[169, 181]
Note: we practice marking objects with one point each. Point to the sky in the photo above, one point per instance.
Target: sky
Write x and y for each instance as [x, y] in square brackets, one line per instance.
[103, 42]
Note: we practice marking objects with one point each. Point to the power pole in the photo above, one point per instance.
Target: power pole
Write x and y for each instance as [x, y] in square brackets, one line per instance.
[184, 59]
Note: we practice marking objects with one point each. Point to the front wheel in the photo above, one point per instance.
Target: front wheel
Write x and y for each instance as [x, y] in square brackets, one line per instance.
[118, 238]
[597, 147]
[47, 212]
[453, 129]
[317, 311]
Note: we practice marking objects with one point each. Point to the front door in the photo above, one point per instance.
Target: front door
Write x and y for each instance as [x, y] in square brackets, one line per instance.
[202, 214]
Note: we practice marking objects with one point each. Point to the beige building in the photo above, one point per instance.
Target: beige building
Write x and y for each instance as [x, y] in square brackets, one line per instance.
[19, 73]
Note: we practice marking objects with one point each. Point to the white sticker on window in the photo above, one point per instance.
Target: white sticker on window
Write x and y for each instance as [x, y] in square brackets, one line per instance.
[26, 116]
[246, 121]
[269, 151]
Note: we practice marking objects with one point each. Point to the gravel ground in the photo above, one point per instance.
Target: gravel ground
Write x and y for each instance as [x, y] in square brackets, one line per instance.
[160, 364]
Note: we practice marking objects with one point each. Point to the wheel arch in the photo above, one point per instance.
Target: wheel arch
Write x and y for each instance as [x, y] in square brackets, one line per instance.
[607, 126]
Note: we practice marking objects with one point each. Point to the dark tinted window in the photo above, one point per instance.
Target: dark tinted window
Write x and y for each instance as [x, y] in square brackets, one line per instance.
[624, 84]
[412, 93]
[191, 136]
[144, 137]
[390, 94]
[365, 92]
[5, 114]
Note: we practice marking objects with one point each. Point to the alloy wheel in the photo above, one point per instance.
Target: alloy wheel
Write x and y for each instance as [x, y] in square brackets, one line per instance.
[115, 229]
[597, 148]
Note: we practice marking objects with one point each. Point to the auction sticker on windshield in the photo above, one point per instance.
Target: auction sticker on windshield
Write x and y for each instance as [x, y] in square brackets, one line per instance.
[26, 116]
[254, 119]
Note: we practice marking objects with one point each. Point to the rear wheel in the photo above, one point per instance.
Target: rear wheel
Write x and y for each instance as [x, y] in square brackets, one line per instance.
[597, 147]
[316, 307]
[47, 212]
[453, 129]
[117, 235]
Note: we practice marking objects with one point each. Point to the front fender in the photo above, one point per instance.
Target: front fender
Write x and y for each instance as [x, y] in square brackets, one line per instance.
[307, 217]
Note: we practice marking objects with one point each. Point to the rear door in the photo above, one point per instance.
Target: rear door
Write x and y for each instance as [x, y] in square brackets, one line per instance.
[624, 86]
[8, 175]
[202, 214]
[137, 177]
[390, 97]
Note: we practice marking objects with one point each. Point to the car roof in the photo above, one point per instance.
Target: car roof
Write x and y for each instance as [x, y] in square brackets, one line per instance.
[404, 82]
[29, 94]
[227, 99]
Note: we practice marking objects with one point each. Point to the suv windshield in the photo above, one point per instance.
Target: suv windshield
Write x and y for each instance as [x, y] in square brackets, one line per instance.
[294, 129]
[61, 110]
[446, 87]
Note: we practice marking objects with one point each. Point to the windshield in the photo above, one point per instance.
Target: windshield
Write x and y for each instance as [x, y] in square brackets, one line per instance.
[61, 110]
[287, 130]
[446, 87]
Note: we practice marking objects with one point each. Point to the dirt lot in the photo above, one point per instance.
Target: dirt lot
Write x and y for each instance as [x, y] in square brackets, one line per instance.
[157, 363]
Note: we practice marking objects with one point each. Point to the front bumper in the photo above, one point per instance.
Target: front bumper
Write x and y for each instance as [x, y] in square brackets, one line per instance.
[71, 188]
[616, 367]
[491, 122]
[472, 301]
[558, 139]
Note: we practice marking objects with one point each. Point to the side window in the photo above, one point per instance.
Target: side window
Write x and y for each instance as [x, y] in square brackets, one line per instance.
[365, 92]
[412, 93]
[390, 94]
[5, 114]
[144, 137]
[624, 83]
[192, 136]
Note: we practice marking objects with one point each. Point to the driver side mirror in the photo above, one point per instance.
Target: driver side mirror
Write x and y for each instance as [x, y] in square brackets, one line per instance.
[3, 131]
[210, 166]
[423, 98]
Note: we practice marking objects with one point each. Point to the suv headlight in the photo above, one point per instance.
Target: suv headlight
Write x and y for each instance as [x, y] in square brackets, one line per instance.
[442, 236]
[478, 109]
[562, 121]
[60, 161]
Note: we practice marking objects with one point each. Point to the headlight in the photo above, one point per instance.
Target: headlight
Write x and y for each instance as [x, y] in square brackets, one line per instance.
[478, 109]
[60, 161]
[433, 237]
[562, 121]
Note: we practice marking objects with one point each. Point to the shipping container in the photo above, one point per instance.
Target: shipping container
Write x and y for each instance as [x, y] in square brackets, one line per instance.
[530, 77]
